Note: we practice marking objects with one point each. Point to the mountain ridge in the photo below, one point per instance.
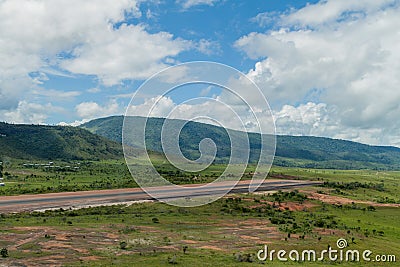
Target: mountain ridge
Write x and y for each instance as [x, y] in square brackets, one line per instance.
[295, 151]
[101, 139]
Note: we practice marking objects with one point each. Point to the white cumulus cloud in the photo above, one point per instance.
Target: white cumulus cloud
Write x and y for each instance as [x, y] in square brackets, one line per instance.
[68, 37]
[346, 50]
[91, 110]
[27, 112]
[128, 52]
[190, 3]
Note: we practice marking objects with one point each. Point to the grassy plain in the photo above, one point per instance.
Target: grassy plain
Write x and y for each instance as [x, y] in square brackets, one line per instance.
[228, 232]
[377, 186]
[225, 233]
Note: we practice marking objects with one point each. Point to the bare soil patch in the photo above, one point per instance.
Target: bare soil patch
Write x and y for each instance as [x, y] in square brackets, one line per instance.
[330, 199]
[212, 247]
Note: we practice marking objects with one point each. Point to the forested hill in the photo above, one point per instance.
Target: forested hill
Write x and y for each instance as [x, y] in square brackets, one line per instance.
[54, 142]
[300, 151]
[101, 138]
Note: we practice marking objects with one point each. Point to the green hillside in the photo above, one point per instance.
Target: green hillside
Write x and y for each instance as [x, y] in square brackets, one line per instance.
[103, 139]
[298, 151]
[54, 142]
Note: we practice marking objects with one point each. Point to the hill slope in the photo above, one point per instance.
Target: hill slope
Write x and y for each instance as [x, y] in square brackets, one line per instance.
[54, 142]
[300, 151]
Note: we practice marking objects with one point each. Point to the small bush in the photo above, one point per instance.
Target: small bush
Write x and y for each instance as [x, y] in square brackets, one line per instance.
[4, 252]
[172, 260]
[246, 257]
[123, 245]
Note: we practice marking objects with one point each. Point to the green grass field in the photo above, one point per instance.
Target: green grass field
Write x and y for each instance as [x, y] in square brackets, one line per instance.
[91, 175]
[228, 232]
[223, 233]
[377, 186]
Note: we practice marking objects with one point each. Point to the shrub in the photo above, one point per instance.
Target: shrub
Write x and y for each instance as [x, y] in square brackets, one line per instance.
[246, 257]
[123, 245]
[4, 252]
[172, 260]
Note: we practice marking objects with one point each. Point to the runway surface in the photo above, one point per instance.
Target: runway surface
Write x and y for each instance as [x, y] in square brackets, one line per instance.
[9, 204]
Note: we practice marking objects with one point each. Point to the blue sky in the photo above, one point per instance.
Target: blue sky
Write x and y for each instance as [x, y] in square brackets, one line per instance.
[328, 68]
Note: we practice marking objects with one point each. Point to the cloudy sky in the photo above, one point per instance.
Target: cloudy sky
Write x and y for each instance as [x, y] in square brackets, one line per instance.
[327, 68]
